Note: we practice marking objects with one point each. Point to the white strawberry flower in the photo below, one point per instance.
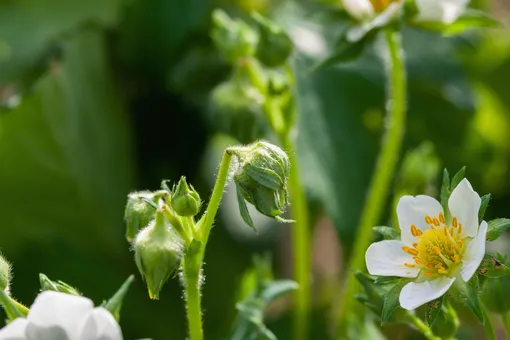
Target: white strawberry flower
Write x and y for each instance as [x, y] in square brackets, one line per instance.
[443, 11]
[59, 316]
[433, 251]
[367, 9]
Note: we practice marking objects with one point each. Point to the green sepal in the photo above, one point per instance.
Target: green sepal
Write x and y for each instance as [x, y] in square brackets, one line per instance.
[471, 18]
[467, 293]
[57, 286]
[445, 191]
[497, 227]
[114, 304]
[483, 206]
[10, 308]
[433, 310]
[391, 302]
[243, 208]
[380, 280]
[459, 176]
[264, 176]
[387, 233]
[491, 267]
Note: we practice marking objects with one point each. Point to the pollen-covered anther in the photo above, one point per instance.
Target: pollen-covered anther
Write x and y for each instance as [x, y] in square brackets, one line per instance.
[454, 222]
[460, 228]
[430, 265]
[428, 220]
[410, 250]
[460, 243]
[441, 270]
[417, 260]
[415, 231]
[436, 221]
[428, 273]
[409, 265]
[415, 245]
[437, 250]
[456, 258]
[441, 218]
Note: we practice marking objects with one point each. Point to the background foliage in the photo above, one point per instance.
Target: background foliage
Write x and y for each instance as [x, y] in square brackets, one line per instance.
[100, 98]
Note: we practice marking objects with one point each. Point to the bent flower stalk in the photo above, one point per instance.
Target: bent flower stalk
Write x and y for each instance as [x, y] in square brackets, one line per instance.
[433, 251]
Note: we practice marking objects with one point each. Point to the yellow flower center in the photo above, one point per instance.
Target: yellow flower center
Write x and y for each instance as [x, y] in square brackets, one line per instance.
[439, 249]
[381, 5]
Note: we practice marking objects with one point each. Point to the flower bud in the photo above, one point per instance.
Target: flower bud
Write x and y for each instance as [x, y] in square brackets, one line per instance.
[275, 46]
[140, 210]
[234, 38]
[158, 250]
[57, 286]
[236, 109]
[261, 178]
[5, 274]
[185, 200]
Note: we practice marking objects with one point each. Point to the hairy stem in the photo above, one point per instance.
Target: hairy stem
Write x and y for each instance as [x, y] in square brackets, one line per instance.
[191, 282]
[487, 326]
[385, 167]
[422, 327]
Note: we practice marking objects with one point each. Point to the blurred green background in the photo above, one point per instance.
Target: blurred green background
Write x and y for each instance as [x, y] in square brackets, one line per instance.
[102, 97]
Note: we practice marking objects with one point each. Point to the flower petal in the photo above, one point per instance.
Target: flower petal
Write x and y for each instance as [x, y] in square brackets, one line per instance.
[474, 254]
[386, 258]
[359, 9]
[464, 203]
[444, 11]
[100, 325]
[413, 295]
[37, 332]
[412, 210]
[15, 330]
[59, 310]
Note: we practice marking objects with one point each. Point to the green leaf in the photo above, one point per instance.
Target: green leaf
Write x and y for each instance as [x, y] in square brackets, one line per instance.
[445, 191]
[471, 18]
[114, 304]
[275, 289]
[483, 206]
[387, 233]
[243, 208]
[433, 310]
[496, 228]
[391, 302]
[491, 267]
[459, 176]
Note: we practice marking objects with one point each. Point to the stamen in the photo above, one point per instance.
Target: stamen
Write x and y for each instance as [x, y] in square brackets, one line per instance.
[428, 220]
[415, 245]
[437, 250]
[413, 230]
[428, 274]
[430, 265]
[445, 230]
[436, 221]
[439, 265]
[460, 228]
[441, 217]
[410, 250]
[417, 260]
[410, 265]
[460, 243]
[441, 271]
[456, 257]
[454, 222]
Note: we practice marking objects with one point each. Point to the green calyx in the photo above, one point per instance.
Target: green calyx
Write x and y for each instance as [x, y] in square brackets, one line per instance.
[275, 46]
[140, 210]
[185, 200]
[5, 274]
[158, 251]
[57, 286]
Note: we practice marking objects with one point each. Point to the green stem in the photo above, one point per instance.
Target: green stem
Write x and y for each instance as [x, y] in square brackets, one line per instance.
[191, 281]
[487, 325]
[422, 327]
[506, 323]
[385, 167]
[12, 308]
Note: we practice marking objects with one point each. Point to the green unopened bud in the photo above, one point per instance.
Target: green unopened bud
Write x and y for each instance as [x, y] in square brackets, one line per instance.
[274, 46]
[261, 179]
[236, 110]
[57, 286]
[5, 274]
[234, 38]
[158, 250]
[140, 210]
[185, 200]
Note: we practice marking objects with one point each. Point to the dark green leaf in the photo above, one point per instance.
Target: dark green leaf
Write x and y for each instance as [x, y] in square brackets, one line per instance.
[459, 176]
[497, 227]
[243, 209]
[275, 289]
[114, 304]
[483, 206]
[391, 302]
[433, 310]
[387, 233]
[445, 190]
[491, 267]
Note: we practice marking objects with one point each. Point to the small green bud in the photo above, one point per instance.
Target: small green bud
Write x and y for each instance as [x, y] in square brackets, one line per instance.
[140, 210]
[57, 286]
[261, 179]
[236, 109]
[5, 274]
[275, 46]
[185, 200]
[158, 250]
[234, 38]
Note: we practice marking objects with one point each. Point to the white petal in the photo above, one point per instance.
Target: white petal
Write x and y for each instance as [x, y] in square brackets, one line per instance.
[464, 203]
[444, 11]
[413, 295]
[37, 332]
[100, 325]
[359, 9]
[412, 210]
[474, 253]
[386, 258]
[15, 330]
[54, 309]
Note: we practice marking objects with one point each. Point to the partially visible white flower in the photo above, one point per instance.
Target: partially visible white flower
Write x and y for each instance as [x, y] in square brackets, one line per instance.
[59, 316]
[443, 11]
[359, 9]
[432, 250]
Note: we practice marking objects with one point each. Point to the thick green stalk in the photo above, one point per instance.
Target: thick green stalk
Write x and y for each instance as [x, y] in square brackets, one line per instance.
[506, 323]
[422, 327]
[191, 281]
[487, 326]
[384, 170]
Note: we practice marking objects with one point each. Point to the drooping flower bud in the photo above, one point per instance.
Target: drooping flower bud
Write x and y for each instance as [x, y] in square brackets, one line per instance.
[234, 38]
[140, 210]
[5, 274]
[261, 179]
[57, 286]
[185, 200]
[274, 46]
[158, 250]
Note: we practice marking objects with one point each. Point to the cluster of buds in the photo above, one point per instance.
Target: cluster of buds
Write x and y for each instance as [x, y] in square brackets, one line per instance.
[158, 231]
